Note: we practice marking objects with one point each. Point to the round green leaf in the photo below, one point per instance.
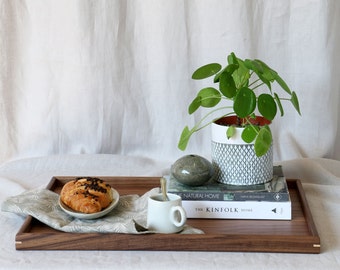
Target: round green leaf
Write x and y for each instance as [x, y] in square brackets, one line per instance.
[184, 139]
[259, 69]
[227, 85]
[249, 133]
[209, 97]
[231, 131]
[194, 105]
[253, 65]
[267, 106]
[232, 67]
[244, 102]
[206, 71]
[232, 59]
[263, 141]
[267, 72]
[228, 69]
[241, 75]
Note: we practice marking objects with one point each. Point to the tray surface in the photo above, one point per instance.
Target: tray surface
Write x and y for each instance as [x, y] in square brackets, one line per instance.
[298, 235]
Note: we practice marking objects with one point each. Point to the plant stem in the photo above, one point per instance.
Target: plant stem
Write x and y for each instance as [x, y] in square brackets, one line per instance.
[198, 126]
[253, 82]
[259, 85]
[252, 126]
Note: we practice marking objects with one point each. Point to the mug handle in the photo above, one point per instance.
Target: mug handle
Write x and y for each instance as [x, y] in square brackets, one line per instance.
[174, 217]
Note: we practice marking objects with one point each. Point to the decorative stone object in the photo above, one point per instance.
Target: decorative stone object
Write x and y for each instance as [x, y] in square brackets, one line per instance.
[192, 170]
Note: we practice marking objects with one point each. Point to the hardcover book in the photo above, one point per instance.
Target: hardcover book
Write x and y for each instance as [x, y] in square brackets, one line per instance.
[220, 201]
[275, 190]
[238, 209]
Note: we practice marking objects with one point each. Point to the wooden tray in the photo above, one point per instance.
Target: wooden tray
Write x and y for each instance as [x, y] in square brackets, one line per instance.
[296, 236]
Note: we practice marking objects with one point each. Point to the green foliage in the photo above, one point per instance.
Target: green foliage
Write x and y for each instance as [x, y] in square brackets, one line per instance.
[249, 133]
[184, 139]
[231, 130]
[239, 82]
[263, 141]
[206, 71]
[244, 102]
[267, 106]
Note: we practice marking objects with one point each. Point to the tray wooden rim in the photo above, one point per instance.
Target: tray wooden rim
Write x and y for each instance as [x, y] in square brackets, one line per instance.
[240, 242]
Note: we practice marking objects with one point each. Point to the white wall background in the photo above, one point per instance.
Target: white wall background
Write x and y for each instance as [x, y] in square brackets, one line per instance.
[114, 76]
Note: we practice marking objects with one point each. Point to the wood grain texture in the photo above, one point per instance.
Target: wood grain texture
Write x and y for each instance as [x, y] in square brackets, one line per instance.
[296, 236]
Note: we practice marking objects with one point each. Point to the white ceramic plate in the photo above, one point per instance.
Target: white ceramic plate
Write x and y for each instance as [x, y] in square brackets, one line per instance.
[80, 215]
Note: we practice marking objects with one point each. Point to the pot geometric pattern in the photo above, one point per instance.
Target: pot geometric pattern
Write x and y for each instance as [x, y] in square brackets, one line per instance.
[237, 164]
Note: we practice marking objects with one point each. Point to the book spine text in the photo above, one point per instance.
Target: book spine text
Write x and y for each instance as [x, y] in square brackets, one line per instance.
[238, 210]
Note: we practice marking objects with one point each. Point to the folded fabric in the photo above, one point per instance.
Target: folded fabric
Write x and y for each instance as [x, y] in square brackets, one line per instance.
[129, 216]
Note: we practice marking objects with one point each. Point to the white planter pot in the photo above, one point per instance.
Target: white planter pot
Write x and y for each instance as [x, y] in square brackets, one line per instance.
[235, 161]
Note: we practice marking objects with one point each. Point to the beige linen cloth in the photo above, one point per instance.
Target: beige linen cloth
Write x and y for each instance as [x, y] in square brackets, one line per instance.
[129, 216]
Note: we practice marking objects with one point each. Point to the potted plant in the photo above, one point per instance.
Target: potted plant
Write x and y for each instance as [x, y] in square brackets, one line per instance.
[251, 104]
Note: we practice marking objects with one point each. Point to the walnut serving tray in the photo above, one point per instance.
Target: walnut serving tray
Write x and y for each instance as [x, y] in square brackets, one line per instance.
[298, 235]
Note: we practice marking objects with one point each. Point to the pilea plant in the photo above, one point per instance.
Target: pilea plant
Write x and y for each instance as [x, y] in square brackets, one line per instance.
[241, 82]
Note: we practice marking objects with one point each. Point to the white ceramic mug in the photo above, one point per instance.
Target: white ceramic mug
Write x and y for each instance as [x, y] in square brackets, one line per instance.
[165, 216]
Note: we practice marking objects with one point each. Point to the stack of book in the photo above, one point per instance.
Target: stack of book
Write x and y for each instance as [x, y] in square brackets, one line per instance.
[220, 201]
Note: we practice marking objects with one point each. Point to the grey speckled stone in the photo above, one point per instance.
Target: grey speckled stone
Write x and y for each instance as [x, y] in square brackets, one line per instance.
[192, 170]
